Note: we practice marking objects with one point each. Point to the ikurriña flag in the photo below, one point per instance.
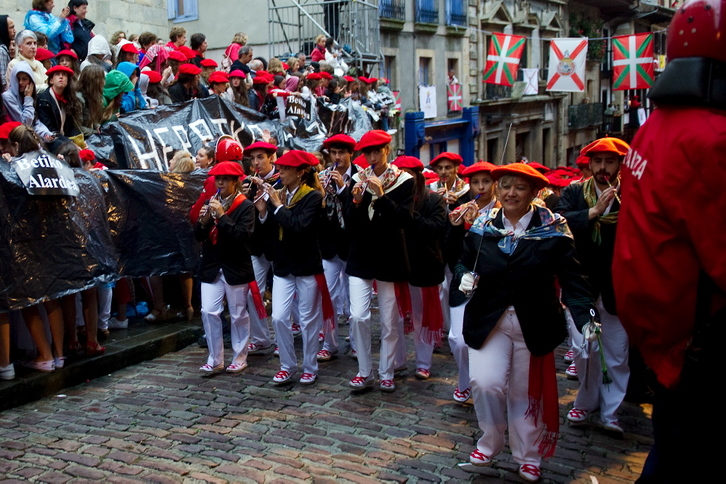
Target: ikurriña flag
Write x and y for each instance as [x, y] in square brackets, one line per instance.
[505, 52]
[567, 65]
[633, 61]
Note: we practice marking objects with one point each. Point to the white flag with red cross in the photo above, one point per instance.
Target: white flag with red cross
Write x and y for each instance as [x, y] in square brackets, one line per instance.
[567, 65]
[453, 92]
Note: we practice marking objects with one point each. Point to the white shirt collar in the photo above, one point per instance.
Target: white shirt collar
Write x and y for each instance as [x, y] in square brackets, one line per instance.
[521, 226]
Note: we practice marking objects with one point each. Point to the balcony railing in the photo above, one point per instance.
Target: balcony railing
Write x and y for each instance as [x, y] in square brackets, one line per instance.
[588, 115]
[427, 12]
[393, 9]
[456, 13]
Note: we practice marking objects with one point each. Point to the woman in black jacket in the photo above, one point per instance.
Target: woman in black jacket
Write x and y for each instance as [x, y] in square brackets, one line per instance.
[294, 212]
[225, 225]
[58, 107]
[515, 320]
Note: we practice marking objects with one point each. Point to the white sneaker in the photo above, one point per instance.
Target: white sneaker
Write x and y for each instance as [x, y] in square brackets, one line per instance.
[114, 323]
[7, 372]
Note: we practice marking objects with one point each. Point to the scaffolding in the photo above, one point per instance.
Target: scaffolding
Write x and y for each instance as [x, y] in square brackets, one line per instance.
[354, 24]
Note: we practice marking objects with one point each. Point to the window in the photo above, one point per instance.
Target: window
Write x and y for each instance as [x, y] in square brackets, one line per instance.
[182, 10]
[394, 9]
[424, 71]
[389, 69]
[427, 12]
[456, 12]
[452, 71]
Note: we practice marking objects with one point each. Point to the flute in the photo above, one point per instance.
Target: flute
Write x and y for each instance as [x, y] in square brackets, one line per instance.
[329, 176]
[265, 187]
[617, 197]
[465, 210]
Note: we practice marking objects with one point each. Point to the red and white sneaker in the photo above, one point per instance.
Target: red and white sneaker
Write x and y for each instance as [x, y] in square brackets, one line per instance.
[529, 472]
[296, 329]
[614, 427]
[571, 372]
[209, 370]
[325, 355]
[577, 415]
[569, 357]
[277, 351]
[353, 354]
[254, 348]
[321, 337]
[478, 458]
[388, 386]
[462, 396]
[361, 382]
[422, 373]
[282, 376]
[236, 367]
[308, 378]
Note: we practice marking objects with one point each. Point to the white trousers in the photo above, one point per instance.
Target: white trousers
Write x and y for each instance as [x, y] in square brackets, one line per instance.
[213, 296]
[284, 290]
[336, 278]
[424, 351]
[593, 393]
[259, 329]
[499, 382]
[392, 338]
[458, 346]
[444, 295]
[105, 297]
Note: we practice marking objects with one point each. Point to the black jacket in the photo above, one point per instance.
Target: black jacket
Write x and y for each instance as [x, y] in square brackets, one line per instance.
[297, 253]
[526, 280]
[178, 93]
[49, 115]
[260, 242]
[81, 36]
[333, 239]
[378, 245]
[424, 239]
[230, 253]
[597, 259]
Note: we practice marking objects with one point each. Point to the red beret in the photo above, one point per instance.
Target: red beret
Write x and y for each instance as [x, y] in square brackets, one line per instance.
[539, 167]
[385, 81]
[521, 170]
[446, 155]
[263, 77]
[208, 63]
[340, 139]
[363, 79]
[6, 128]
[130, 48]
[43, 54]
[261, 145]
[612, 145]
[218, 77]
[376, 137]
[349, 78]
[479, 167]
[57, 69]
[314, 75]
[86, 155]
[189, 69]
[237, 73]
[177, 56]
[154, 77]
[372, 80]
[187, 52]
[67, 52]
[325, 75]
[297, 158]
[430, 176]
[558, 182]
[410, 162]
[229, 168]
[361, 161]
[582, 160]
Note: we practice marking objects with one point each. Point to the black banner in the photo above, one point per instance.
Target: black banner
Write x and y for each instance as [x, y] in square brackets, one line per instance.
[44, 174]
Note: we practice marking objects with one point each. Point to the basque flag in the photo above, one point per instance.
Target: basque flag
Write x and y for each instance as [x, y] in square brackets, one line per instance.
[453, 92]
[633, 61]
[505, 52]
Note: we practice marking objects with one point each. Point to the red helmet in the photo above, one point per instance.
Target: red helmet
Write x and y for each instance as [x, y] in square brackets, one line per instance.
[697, 31]
[228, 149]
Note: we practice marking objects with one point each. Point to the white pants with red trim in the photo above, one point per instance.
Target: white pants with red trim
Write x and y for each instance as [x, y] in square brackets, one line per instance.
[424, 351]
[458, 346]
[213, 296]
[361, 291]
[259, 328]
[596, 394]
[499, 382]
[336, 278]
[284, 290]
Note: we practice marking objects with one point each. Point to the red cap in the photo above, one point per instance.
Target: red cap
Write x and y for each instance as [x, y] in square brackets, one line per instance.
[6, 128]
[325, 75]
[297, 158]
[218, 77]
[237, 73]
[43, 54]
[340, 139]
[154, 77]
[410, 162]
[261, 145]
[189, 69]
[187, 52]
[479, 167]
[375, 137]
[263, 77]
[57, 69]
[361, 161]
[446, 155]
[208, 63]
[521, 170]
[582, 160]
[607, 144]
[228, 168]
[67, 52]
[431, 176]
[372, 80]
[86, 155]
[177, 56]
[539, 167]
[130, 48]
[349, 78]
[314, 75]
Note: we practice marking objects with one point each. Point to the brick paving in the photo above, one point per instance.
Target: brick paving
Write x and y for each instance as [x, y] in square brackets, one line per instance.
[159, 421]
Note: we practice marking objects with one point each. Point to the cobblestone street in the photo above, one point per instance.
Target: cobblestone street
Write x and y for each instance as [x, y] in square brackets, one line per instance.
[159, 421]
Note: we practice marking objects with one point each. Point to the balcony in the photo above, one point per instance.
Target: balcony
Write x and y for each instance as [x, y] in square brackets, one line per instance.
[392, 9]
[427, 12]
[456, 13]
[583, 116]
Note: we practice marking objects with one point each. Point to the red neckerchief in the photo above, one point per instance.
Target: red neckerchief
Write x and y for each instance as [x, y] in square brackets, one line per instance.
[59, 97]
[213, 235]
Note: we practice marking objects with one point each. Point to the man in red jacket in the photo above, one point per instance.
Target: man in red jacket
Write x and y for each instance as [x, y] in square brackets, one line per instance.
[670, 264]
